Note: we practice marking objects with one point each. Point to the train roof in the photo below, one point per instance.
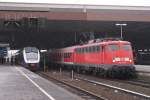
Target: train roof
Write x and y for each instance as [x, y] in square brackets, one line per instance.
[104, 43]
[71, 48]
[30, 47]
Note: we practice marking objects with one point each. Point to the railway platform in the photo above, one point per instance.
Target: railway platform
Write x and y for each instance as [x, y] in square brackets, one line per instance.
[18, 83]
[143, 68]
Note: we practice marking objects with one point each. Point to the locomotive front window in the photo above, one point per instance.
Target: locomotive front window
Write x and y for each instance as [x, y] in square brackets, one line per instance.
[126, 47]
[31, 49]
[114, 47]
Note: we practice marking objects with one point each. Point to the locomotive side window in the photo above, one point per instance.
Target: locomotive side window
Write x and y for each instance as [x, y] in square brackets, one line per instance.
[126, 47]
[94, 49]
[78, 50]
[97, 48]
[86, 49]
[114, 47]
[90, 49]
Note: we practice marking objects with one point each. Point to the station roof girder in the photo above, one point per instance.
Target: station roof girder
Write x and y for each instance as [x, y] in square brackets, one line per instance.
[74, 12]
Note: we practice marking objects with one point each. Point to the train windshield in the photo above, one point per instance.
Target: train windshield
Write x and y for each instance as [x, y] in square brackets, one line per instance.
[126, 47]
[32, 56]
[114, 47]
[31, 49]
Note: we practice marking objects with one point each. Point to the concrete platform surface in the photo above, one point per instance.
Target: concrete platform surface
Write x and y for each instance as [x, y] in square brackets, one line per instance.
[143, 68]
[18, 83]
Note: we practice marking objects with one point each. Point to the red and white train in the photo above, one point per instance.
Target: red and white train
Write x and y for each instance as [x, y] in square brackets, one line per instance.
[107, 57]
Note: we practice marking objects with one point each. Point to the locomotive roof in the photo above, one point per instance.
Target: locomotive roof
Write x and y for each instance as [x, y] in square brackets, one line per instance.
[104, 43]
[71, 48]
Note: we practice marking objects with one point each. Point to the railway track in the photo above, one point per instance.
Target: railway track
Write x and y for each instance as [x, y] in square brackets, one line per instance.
[142, 80]
[87, 95]
[118, 88]
[139, 82]
[142, 83]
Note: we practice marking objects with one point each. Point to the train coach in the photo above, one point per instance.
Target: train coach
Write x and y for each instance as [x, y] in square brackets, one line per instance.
[29, 57]
[105, 57]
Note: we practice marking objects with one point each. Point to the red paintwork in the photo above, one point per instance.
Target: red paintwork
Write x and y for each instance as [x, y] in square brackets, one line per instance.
[104, 56]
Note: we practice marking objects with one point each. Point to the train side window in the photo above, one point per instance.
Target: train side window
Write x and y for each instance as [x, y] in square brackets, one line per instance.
[97, 48]
[78, 50]
[83, 50]
[86, 49]
[70, 54]
[90, 49]
[67, 55]
[94, 48]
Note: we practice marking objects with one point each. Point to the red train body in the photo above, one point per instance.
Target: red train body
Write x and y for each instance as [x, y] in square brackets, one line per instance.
[108, 57]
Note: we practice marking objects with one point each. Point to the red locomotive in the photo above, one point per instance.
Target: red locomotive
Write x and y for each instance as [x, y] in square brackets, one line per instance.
[107, 57]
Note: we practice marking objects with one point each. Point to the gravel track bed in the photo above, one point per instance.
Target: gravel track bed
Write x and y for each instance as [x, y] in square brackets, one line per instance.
[108, 93]
[120, 83]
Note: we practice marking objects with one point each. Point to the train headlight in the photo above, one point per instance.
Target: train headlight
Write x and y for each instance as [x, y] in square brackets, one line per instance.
[114, 61]
[127, 59]
[117, 59]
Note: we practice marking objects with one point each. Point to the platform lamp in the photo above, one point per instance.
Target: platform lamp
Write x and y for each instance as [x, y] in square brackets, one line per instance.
[121, 25]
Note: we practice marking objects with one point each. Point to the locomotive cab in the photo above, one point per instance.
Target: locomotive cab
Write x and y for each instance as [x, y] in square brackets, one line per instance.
[118, 54]
[119, 58]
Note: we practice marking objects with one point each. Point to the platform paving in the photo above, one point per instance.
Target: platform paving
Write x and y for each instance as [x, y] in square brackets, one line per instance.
[18, 83]
[143, 68]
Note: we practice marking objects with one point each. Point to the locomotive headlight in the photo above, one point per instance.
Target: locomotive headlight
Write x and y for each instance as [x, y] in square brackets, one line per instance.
[117, 59]
[127, 59]
[130, 60]
[113, 60]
